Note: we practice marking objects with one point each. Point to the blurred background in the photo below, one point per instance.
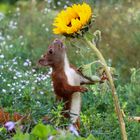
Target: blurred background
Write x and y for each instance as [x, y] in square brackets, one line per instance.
[118, 20]
[25, 33]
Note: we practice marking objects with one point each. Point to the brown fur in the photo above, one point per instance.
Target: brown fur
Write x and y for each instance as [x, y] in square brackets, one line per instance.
[63, 90]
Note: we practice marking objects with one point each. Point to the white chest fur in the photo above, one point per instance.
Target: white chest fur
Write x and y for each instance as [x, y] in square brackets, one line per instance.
[74, 80]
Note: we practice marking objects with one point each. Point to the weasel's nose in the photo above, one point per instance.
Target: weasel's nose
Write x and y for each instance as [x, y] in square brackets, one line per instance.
[58, 42]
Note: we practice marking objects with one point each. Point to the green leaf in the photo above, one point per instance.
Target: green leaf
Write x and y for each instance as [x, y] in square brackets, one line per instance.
[21, 136]
[43, 131]
[1, 129]
[89, 35]
[91, 137]
[86, 70]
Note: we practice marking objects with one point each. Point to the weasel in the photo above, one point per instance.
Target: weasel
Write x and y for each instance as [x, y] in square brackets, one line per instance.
[66, 80]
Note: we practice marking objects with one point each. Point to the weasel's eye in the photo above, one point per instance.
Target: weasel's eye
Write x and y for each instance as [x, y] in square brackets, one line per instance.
[50, 51]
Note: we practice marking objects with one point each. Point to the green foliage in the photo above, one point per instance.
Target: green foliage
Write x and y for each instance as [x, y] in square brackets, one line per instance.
[26, 88]
[43, 132]
[21, 136]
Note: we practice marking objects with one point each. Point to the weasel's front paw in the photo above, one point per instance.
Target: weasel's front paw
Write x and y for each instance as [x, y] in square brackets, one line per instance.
[83, 89]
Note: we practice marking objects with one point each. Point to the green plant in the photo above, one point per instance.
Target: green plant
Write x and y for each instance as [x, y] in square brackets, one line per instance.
[27, 89]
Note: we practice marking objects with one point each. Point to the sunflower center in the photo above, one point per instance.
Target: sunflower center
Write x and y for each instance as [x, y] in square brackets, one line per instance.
[69, 25]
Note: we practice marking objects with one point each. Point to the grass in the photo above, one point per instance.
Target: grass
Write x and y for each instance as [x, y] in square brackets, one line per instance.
[27, 89]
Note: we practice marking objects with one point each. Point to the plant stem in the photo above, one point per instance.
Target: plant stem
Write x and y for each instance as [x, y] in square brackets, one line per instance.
[114, 93]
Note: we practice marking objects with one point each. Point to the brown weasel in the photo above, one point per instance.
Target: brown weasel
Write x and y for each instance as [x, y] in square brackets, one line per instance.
[66, 80]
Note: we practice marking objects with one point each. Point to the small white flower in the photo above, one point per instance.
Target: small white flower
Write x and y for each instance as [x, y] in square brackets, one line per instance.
[13, 25]
[67, 2]
[65, 6]
[77, 51]
[59, 3]
[9, 125]
[25, 64]
[22, 87]
[27, 82]
[26, 74]
[50, 137]
[13, 84]
[20, 76]
[17, 73]
[3, 90]
[14, 59]
[47, 29]
[33, 70]
[1, 16]
[33, 88]
[1, 66]
[49, 10]
[38, 78]
[14, 77]
[18, 14]
[22, 43]
[8, 85]
[17, 9]
[49, 1]
[8, 37]
[45, 10]
[43, 25]
[50, 71]
[11, 46]
[12, 88]
[3, 43]
[35, 75]
[47, 76]
[2, 38]
[1, 56]
[38, 102]
[15, 63]
[20, 37]
[41, 92]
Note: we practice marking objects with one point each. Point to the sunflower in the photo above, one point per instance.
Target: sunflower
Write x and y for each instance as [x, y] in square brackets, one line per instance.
[72, 19]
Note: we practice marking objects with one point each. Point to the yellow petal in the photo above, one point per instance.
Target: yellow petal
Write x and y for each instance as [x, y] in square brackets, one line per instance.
[72, 19]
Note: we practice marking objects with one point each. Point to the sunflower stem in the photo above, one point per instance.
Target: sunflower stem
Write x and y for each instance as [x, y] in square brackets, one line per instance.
[114, 93]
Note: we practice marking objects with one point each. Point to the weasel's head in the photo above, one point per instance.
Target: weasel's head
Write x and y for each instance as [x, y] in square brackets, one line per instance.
[54, 55]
